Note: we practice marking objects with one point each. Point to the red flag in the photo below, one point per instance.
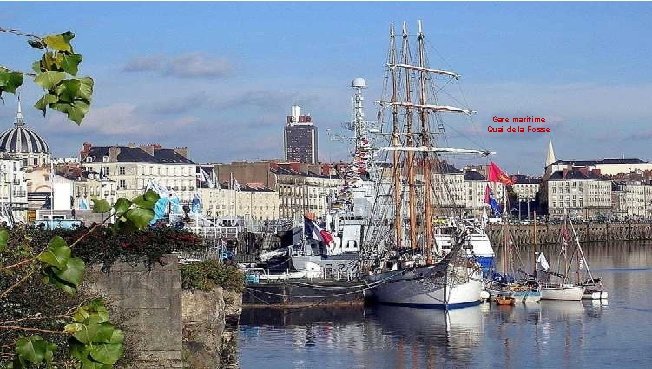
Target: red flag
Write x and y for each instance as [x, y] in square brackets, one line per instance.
[497, 175]
[487, 196]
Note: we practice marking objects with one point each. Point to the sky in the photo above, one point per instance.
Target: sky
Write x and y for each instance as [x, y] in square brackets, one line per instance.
[220, 77]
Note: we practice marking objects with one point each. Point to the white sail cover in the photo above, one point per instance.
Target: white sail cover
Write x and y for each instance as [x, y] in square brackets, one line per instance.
[440, 150]
[542, 263]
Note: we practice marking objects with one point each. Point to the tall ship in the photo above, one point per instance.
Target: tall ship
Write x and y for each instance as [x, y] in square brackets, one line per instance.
[400, 254]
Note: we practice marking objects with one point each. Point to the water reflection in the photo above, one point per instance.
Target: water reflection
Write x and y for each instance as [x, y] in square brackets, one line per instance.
[432, 333]
[551, 334]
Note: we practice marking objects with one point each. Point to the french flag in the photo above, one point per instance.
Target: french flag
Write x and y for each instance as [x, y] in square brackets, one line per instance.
[313, 231]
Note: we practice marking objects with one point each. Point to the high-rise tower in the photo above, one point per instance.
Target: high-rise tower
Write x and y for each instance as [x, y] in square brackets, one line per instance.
[300, 141]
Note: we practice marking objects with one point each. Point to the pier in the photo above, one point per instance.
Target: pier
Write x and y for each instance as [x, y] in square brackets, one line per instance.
[546, 233]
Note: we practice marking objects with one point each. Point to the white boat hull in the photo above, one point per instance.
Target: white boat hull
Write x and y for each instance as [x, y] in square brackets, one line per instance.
[412, 290]
[563, 292]
[525, 297]
[595, 295]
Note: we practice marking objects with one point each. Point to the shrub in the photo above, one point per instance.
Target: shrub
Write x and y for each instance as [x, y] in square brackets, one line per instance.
[208, 274]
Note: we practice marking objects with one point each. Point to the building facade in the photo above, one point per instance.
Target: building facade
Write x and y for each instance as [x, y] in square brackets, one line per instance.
[134, 168]
[300, 138]
[582, 194]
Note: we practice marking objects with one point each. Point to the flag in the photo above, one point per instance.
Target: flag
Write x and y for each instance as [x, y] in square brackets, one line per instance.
[490, 200]
[498, 175]
[311, 229]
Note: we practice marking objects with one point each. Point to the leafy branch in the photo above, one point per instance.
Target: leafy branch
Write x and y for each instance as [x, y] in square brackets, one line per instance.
[92, 339]
[56, 73]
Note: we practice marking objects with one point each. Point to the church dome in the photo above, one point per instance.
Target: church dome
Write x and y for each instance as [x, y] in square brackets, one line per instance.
[21, 139]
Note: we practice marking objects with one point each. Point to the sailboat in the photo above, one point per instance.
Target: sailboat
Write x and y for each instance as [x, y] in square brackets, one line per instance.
[403, 262]
[572, 256]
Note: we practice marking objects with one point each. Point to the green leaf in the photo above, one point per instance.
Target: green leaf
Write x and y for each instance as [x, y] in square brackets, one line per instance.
[73, 328]
[140, 201]
[101, 206]
[45, 101]
[122, 205]
[70, 63]
[59, 42]
[86, 88]
[49, 79]
[74, 271]
[75, 111]
[4, 238]
[107, 353]
[57, 253]
[50, 276]
[140, 217]
[35, 349]
[10, 80]
[151, 196]
[117, 337]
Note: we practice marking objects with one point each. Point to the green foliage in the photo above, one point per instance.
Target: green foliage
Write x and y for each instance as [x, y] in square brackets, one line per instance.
[95, 342]
[56, 72]
[130, 215]
[208, 274]
[4, 237]
[32, 350]
[9, 80]
[63, 271]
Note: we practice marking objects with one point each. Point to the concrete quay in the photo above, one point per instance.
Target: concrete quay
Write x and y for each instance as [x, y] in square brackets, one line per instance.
[546, 233]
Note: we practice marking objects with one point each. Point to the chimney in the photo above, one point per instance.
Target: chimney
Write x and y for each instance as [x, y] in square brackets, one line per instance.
[183, 151]
[148, 149]
[565, 172]
[85, 151]
[114, 151]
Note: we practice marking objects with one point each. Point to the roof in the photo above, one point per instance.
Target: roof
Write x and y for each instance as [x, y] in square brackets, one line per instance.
[523, 179]
[601, 162]
[473, 175]
[572, 174]
[137, 155]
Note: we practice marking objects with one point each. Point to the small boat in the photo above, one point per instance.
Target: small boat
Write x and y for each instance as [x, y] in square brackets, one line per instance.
[593, 290]
[505, 300]
[572, 256]
[565, 292]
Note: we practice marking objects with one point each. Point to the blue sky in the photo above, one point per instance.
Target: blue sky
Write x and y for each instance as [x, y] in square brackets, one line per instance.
[220, 77]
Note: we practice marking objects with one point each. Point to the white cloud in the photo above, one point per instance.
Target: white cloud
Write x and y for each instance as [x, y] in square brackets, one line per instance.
[190, 65]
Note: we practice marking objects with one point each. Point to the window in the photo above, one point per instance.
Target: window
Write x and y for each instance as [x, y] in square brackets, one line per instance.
[106, 171]
[122, 171]
[122, 184]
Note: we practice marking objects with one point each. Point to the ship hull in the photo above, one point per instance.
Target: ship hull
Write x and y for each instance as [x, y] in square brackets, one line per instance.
[563, 292]
[411, 289]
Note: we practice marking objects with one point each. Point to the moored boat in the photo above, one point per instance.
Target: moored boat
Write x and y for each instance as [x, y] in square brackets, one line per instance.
[405, 265]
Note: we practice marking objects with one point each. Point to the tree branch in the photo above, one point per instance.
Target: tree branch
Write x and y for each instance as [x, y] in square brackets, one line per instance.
[19, 33]
[6, 292]
[19, 328]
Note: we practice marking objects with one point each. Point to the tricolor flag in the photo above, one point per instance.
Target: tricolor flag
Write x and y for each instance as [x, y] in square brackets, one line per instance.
[490, 200]
[498, 175]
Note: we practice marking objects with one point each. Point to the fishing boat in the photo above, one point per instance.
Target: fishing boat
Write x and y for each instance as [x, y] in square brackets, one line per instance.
[401, 257]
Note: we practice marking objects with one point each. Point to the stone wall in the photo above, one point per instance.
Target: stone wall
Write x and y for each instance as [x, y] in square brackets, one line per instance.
[587, 232]
[147, 306]
[165, 326]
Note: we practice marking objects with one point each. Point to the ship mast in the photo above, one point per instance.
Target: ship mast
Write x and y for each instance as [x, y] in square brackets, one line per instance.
[409, 142]
[396, 173]
[425, 137]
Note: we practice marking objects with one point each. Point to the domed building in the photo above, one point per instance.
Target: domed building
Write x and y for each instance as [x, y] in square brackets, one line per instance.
[22, 143]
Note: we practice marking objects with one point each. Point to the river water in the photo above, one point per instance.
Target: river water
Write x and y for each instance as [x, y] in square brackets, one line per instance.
[587, 334]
